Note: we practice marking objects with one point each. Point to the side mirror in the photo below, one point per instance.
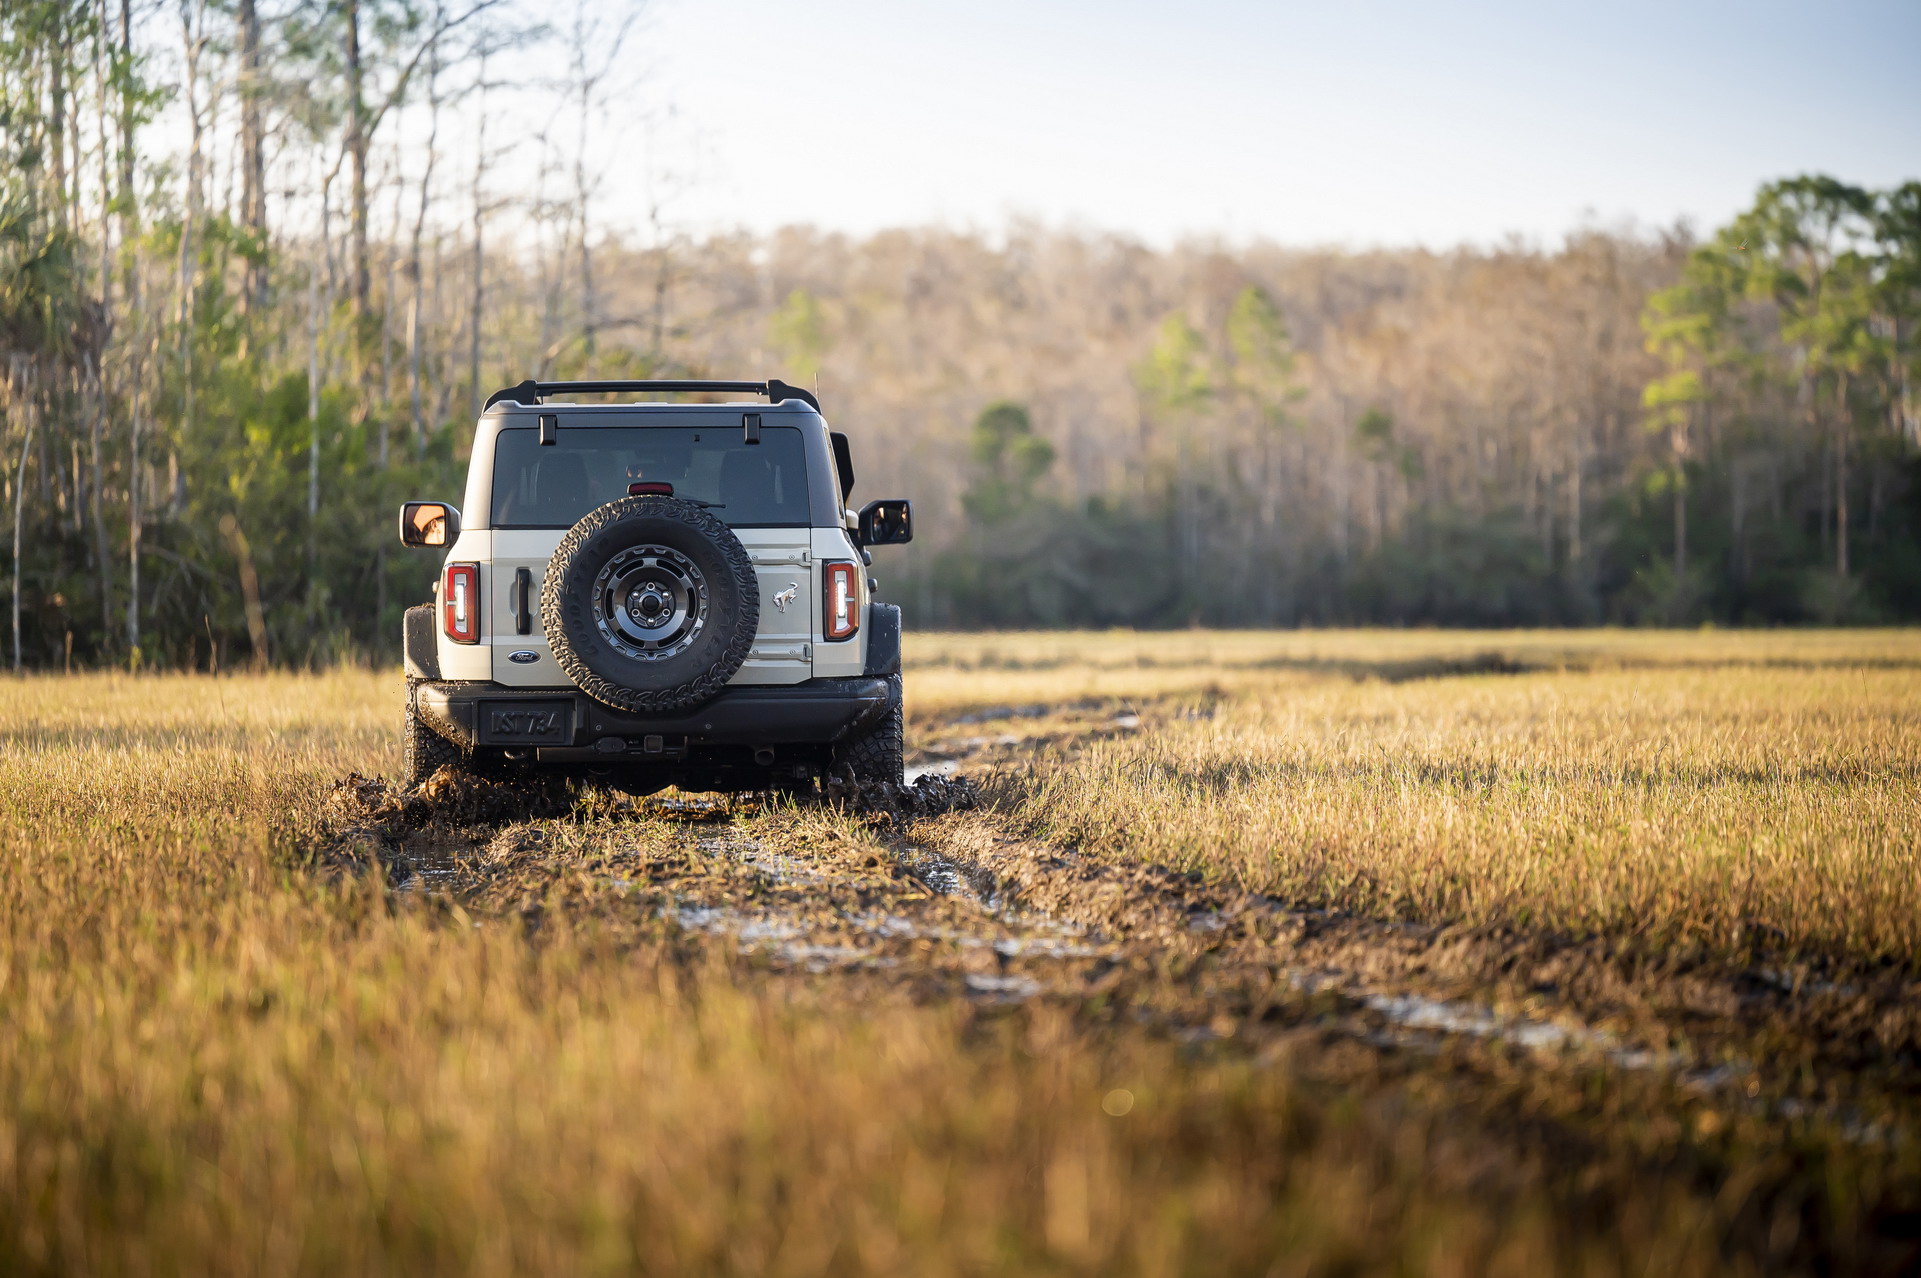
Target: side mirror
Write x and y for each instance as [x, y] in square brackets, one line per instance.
[887, 523]
[428, 523]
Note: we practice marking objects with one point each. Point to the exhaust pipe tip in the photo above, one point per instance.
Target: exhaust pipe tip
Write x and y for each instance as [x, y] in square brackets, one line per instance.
[763, 757]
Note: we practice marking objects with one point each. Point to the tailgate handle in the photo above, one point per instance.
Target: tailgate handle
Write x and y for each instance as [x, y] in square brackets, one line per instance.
[522, 603]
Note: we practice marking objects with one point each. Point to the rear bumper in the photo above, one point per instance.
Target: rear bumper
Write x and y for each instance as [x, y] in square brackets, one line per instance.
[563, 725]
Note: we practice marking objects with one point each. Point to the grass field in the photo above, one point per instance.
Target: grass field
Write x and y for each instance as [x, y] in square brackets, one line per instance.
[1412, 953]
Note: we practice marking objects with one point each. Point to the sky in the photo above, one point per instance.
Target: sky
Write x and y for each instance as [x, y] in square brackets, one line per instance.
[1350, 122]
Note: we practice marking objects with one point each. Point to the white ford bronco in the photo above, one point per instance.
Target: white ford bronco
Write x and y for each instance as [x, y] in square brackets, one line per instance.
[655, 593]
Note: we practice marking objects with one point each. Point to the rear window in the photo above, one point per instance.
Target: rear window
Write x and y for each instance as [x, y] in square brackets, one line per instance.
[760, 485]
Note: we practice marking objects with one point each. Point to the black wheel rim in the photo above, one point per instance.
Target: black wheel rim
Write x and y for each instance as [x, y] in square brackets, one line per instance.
[650, 602]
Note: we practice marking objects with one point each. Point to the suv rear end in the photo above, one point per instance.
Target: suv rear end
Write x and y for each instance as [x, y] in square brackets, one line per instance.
[674, 523]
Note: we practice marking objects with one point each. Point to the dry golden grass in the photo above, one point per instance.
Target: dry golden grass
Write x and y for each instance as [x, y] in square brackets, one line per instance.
[1682, 801]
[217, 1057]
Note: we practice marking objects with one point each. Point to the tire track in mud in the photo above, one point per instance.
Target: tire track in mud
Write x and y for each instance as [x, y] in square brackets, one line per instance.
[954, 905]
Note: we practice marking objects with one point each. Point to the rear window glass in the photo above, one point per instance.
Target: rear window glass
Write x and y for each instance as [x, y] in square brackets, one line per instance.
[760, 485]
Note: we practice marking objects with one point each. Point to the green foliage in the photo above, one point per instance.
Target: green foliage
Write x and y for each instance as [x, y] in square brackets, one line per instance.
[1173, 378]
[1453, 568]
[1374, 438]
[44, 314]
[1009, 460]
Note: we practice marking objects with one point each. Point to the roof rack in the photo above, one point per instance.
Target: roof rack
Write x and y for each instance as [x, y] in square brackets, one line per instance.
[531, 392]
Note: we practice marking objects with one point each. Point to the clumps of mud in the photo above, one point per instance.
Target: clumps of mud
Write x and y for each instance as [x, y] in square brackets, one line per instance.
[925, 796]
[363, 815]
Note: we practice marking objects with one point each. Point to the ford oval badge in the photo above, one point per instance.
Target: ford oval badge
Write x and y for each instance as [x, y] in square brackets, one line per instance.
[523, 657]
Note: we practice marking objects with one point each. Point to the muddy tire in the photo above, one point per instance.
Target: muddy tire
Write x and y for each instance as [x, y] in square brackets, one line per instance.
[650, 605]
[877, 756]
[426, 750]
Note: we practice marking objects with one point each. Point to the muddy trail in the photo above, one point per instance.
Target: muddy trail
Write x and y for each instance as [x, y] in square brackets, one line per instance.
[924, 894]
[1543, 1055]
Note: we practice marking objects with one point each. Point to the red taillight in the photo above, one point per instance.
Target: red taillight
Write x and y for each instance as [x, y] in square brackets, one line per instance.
[460, 602]
[840, 601]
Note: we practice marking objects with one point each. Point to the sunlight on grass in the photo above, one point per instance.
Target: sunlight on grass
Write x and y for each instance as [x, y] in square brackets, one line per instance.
[220, 1060]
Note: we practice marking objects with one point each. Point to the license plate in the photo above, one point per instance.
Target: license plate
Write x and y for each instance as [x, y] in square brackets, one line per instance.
[526, 723]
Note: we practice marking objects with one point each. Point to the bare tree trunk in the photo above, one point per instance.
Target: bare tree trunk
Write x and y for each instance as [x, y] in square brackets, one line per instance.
[313, 405]
[1737, 518]
[478, 190]
[193, 35]
[134, 477]
[136, 369]
[253, 164]
[1576, 466]
[443, 390]
[383, 443]
[19, 516]
[102, 552]
[1679, 442]
[420, 228]
[103, 103]
[57, 126]
[1843, 419]
[1680, 526]
[357, 155]
[249, 589]
[663, 278]
[100, 405]
[589, 303]
[129, 209]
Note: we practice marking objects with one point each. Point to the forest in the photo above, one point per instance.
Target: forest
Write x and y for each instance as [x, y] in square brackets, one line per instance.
[259, 268]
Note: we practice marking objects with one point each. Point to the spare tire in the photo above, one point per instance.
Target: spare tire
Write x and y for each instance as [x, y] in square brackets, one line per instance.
[650, 604]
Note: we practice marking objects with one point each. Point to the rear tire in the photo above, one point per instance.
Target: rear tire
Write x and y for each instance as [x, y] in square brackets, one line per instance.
[877, 756]
[427, 751]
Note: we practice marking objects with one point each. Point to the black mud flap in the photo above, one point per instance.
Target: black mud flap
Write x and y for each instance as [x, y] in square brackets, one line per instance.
[419, 643]
[883, 640]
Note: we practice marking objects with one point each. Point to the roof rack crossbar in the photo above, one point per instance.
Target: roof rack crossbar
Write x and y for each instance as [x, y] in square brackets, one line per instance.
[531, 392]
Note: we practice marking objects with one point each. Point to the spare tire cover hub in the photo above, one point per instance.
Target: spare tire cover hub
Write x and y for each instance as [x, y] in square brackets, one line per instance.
[651, 602]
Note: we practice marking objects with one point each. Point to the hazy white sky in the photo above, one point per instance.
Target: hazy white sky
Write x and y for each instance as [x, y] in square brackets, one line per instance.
[1356, 123]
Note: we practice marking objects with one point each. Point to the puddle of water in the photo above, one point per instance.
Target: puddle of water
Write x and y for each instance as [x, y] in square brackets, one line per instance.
[825, 958]
[894, 927]
[776, 867]
[992, 713]
[1012, 988]
[425, 874]
[1789, 983]
[940, 768]
[700, 918]
[1415, 1012]
[952, 878]
[1045, 947]
[967, 745]
[1437, 1016]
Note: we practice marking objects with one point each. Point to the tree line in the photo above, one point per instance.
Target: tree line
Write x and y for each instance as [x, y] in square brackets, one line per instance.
[259, 268]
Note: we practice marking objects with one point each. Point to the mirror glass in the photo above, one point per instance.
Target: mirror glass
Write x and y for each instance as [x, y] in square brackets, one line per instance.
[428, 523]
[887, 523]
